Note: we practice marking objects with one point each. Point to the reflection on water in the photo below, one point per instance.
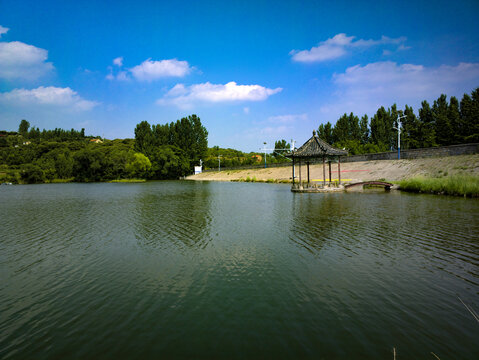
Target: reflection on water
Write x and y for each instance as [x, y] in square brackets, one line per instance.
[235, 270]
[169, 216]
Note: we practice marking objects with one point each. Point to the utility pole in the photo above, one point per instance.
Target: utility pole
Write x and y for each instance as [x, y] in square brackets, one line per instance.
[398, 128]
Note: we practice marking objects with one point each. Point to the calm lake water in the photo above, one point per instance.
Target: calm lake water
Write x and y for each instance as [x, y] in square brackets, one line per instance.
[235, 270]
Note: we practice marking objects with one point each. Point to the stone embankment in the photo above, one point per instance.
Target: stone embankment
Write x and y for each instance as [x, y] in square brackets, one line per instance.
[390, 170]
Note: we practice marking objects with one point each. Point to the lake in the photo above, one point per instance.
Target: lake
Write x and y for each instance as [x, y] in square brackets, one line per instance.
[186, 269]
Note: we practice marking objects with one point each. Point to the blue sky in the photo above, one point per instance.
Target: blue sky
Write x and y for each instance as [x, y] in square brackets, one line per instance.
[253, 71]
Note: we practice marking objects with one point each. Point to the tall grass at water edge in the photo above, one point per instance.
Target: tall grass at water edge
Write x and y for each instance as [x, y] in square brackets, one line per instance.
[458, 185]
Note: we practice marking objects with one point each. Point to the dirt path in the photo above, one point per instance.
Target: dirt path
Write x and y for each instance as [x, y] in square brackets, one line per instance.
[391, 170]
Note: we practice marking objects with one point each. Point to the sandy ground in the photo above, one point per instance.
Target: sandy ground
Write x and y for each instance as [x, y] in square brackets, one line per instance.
[390, 170]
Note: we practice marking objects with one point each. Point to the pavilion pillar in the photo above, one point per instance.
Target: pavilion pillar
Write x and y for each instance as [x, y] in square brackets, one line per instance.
[307, 163]
[293, 171]
[324, 171]
[339, 169]
[299, 171]
[329, 165]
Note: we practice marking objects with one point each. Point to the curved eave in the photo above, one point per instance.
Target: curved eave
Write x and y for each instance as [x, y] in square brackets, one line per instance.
[316, 148]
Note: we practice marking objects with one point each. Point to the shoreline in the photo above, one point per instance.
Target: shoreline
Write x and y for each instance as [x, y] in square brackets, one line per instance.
[390, 170]
[451, 175]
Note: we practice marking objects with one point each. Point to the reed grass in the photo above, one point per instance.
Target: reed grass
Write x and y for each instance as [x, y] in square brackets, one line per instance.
[457, 185]
[61, 181]
[269, 181]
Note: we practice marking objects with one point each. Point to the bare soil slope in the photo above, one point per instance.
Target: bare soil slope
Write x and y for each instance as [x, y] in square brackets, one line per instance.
[391, 170]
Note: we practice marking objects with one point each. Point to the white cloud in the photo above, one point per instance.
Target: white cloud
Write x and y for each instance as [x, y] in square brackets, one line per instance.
[182, 96]
[385, 40]
[246, 110]
[277, 127]
[22, 61]
[275, 131]
[287, 119]
[122, 76]
[362, 89]
[338, 46]
[177, 91]
[263, 132]
[3, 30]
[403, 47]
[118, 61]
[150, 70]
[50, 96]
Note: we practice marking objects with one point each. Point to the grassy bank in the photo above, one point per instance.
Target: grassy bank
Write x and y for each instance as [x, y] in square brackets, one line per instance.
[127, 181]
[254, 179]
[458, 185]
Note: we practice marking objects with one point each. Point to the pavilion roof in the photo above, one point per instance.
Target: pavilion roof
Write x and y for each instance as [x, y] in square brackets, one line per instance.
[316, 147]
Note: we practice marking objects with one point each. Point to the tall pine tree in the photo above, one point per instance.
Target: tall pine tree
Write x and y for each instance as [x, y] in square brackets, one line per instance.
[364, 130]
[410, 129]
[442, 124]
[455, 122]
[427, 134]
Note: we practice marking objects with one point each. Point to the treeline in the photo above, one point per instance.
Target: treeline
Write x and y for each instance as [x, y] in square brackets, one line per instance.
[57, 134]
[33, 134]
[79, 160]
[173, 149]
[159, 152]
[227, 157]
[444, 123]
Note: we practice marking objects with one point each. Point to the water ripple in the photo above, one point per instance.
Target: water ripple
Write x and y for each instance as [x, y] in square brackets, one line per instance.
[205, 270]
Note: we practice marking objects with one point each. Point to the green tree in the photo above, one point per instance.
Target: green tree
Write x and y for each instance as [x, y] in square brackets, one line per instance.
[391, 123]
[341, 129]
[410, 129]
[442, 125]
[279, 148]
[474, 136]
[364, 130]
[32, 174]
[23, 128]
[169, 162]
[469, 110]
[454, 117]
[354, 128]
[191, 136]
[325, 132]
[427, 134]
[3, 141]
[64, 165]
[380, 133]
[139, 166]
[144, 140]
[89, 165]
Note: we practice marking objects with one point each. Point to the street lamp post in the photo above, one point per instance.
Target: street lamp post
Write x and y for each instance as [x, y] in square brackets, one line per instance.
[219, 163]
[266, 149]
[399, 135]
[292, 152]
[264, 154]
